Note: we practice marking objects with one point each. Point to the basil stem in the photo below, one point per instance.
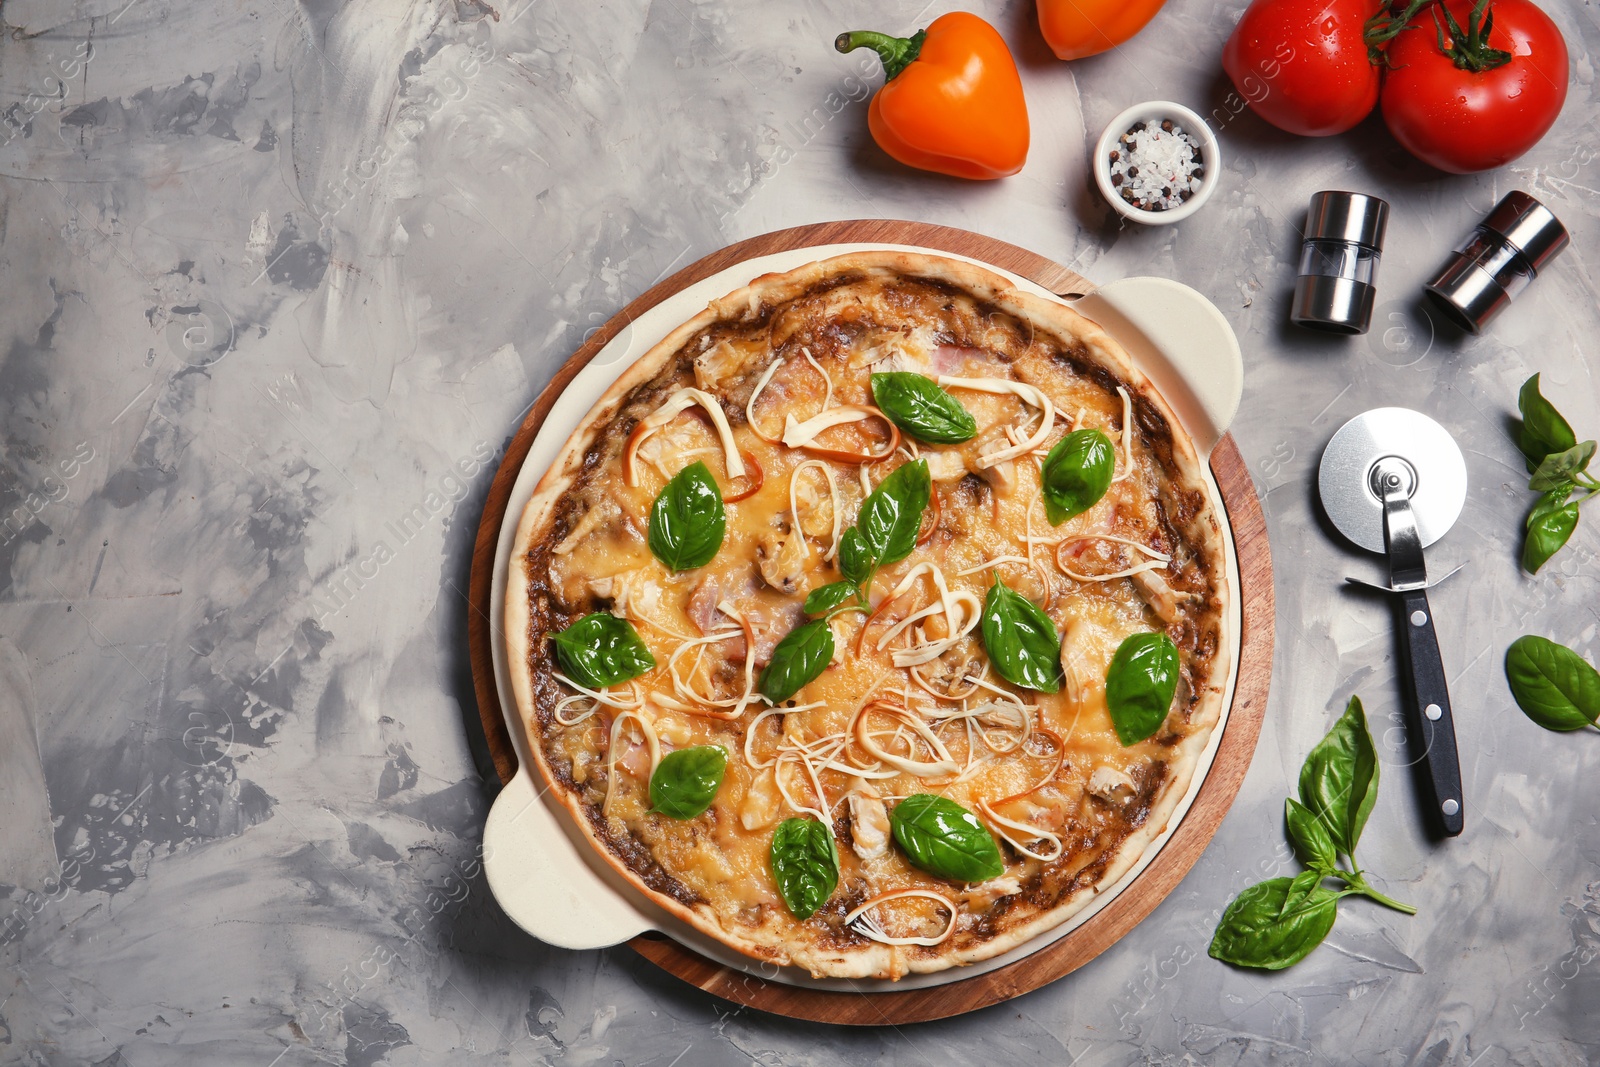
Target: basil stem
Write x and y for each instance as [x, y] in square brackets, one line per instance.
[600, 650]
[805, 864]
[802, 655]
[1140, 684]
[1022, 642]
[1076, 474]
[686, 781]
[688, 520]
[946, 840]
[920, 407]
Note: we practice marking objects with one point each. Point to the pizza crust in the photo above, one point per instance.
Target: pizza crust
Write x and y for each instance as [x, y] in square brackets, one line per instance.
[870, 959]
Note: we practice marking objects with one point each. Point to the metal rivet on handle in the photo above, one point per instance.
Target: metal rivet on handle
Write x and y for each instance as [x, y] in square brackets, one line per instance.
[1450, 807]
[1419, 618]
[1433, 711]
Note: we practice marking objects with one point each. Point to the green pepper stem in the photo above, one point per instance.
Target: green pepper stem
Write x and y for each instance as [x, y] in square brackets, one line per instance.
[896, 52]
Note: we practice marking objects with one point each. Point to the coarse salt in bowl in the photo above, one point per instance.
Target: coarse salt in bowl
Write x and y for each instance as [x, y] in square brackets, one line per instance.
[1164, 151]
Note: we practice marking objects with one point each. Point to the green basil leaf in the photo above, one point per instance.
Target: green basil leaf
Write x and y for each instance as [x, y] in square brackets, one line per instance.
[686, 781]
[1275, 924]
[1140, 684]
[945, 839]
[1076, 474]
[687, 521]
[1552, 684]
[1310, 836]
[1556, 470]
[1544, 431]
[803, 654]
[805, 864]
[1021, 640]
[892, 513]
[918, 405]
[1339, 780]
[600, 650]
[1550, 526]
[855, 558]
[825, 598]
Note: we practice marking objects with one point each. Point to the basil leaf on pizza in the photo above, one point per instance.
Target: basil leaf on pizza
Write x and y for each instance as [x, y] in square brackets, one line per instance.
[855, 558]
[1024, 647]
[805, 864]
[946, 840]
[827, 598]
[601, 650]
[891, 516]
[799, 658]
[1076, 474]
[686, 781]
[922, 408]
[688, 521]
[1140, 684]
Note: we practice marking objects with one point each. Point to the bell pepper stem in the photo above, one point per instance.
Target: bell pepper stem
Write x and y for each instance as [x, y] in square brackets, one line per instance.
[896, 52]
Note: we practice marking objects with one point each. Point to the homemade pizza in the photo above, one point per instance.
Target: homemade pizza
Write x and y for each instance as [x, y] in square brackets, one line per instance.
[874, 621]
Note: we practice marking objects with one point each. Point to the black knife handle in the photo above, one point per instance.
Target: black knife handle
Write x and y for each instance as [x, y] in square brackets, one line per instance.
[1431, 708]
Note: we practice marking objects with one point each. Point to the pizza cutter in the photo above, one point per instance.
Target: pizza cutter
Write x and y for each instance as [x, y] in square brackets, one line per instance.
[1393, 481]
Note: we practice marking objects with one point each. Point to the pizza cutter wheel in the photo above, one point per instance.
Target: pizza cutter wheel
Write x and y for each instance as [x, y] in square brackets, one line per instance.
[1394, 481]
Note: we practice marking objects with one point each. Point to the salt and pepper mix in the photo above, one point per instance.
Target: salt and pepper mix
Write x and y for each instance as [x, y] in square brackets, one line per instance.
[1156, 167]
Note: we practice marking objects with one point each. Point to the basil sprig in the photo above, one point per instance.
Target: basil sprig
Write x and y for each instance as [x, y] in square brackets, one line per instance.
[805, 864]
[919, 406]
[1277, 923]
[601, 650]
[1021, 640]
[1076, 474]
[945, 839]
[800, 657]
[1557, 464]
[1552, 684]
[688, 521]
[1140, 683]
[686, 781]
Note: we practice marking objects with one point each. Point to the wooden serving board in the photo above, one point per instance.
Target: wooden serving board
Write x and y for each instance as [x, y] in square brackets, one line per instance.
[1133, 903]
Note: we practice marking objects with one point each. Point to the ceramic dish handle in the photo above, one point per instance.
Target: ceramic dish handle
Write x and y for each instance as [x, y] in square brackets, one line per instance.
[569, 912]
[1183, 343]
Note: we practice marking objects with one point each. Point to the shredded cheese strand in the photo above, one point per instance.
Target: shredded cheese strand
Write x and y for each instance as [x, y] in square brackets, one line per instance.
[833, 495]
[750, 405]
[862, 922]
[679, 401]
[1127, 436]
[1001, 824]
[1028, 394]
[650, 738]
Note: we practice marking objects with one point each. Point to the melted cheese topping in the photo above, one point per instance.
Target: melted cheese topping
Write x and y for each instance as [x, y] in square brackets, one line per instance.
[909, 703]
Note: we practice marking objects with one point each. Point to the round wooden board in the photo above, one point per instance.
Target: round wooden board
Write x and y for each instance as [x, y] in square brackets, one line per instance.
[1134, 903]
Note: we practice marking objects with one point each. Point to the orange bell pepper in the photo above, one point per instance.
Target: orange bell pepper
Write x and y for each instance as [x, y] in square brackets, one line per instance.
[951, 100]
[1077, 28]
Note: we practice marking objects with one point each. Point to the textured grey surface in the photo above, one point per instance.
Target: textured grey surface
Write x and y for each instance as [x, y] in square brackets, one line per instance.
[279, 278]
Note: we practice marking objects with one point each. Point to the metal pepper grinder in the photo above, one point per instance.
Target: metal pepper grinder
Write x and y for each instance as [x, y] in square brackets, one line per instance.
[1339, 262]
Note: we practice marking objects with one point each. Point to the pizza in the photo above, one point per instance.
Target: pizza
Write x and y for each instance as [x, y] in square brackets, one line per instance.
[873, 622]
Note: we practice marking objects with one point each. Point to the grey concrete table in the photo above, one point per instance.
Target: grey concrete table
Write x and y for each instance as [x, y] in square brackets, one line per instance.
[279, 278]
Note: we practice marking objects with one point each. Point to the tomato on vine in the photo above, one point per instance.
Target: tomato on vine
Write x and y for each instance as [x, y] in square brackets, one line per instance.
[1472, 86]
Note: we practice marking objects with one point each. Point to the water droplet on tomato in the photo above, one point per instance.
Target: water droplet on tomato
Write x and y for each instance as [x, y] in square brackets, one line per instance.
[1328, 26]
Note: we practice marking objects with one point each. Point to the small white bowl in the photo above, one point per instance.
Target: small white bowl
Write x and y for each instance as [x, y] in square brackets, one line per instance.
[1155, 111]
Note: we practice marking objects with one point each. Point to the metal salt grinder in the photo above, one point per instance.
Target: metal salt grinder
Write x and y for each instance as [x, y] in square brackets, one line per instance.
[1339, 262]
[1394, 481]
[1499, 259]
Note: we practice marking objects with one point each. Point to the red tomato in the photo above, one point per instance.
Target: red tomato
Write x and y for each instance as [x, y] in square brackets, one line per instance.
[1463, 120]
[1302, 64]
